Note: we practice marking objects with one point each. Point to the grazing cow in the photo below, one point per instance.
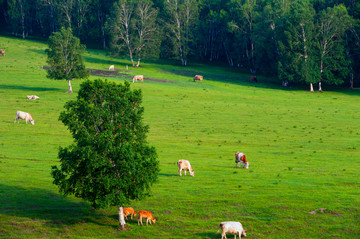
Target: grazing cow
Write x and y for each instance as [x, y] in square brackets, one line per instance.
[2, 51]
[253, 79]
[185, 165]
[32, 97]
[112, 67]
[241, 158]
[231, 227]
[23, 115]
[198, 77]
[145, 214]
[138, 77]
[129, 211]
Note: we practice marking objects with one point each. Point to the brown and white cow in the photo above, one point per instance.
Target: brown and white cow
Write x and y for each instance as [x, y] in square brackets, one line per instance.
[241, 158]
[2, 52]
[185, 165]
[198, 77]
[138, 77]
[23, 115]
[112, 68]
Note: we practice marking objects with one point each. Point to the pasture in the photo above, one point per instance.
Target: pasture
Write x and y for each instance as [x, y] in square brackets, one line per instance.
[303, 149]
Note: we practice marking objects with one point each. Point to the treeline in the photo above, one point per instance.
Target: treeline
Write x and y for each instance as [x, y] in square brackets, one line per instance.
[300, 41]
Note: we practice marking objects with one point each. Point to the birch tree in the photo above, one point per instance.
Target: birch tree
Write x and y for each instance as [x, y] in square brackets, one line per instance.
[332, 24]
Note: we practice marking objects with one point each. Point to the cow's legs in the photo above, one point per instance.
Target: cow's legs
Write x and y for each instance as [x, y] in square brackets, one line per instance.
[179, 172]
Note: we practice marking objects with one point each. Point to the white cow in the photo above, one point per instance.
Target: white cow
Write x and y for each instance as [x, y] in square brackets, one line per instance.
[185, 165]
[112, 67]
[23, 115]
[138, 77]
[32, 97]
[233, 228]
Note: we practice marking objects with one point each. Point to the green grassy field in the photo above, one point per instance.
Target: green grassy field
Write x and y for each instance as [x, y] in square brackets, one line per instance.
[303, 149]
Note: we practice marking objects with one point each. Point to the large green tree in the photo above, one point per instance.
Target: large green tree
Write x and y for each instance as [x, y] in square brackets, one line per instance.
[110, 162]
[64, 57]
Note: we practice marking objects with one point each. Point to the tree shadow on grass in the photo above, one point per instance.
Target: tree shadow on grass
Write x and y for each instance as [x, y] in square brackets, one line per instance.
[40, 204]
[169, 174]
[28, 88]
[105, 62]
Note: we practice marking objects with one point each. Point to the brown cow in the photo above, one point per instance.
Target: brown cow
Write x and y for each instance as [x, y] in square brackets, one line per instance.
[198, 77]
[253, 79]
[2, 51]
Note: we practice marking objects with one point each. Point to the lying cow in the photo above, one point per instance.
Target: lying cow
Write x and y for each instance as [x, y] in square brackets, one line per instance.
[185, 165]
[32, 97]
[253, 79]
[241, 158]
[112, 67]
[198, 77]
[138, 77]
[233, 228]
[2, 52]
[23, 115]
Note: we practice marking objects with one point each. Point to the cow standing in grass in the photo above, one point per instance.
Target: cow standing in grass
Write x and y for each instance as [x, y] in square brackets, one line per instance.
[198, 77]
[138, 77]
[23, 115]
[241, 158]
[185, 165]
[231, 227]
[2, 52]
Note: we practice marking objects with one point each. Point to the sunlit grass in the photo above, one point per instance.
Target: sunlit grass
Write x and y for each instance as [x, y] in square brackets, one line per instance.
[303, 150]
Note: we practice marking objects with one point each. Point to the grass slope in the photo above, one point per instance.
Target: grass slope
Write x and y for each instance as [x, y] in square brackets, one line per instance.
[303, 150]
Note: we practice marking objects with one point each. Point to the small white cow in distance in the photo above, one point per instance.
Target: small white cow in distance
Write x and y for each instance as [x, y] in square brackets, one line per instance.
[138, 77]
[23, 115]
[233, 228]
[32, 97]
[112, 67]
[185, 165]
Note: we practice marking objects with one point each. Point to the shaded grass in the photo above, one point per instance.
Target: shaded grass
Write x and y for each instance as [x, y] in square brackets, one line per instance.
[303, 150]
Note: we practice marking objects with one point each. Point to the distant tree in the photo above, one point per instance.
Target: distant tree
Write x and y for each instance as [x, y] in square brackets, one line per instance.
[132, 28]
[297, 45]
[332, 24]
[64, 57]
[180, 23]
[110, 162]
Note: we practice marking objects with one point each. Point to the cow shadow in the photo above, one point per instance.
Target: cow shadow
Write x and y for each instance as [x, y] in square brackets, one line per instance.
[208, 235]
[28, 88]
[40, 204]
[169, 174]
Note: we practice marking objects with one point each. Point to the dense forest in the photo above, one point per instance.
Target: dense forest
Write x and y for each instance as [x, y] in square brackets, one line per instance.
[296, 41]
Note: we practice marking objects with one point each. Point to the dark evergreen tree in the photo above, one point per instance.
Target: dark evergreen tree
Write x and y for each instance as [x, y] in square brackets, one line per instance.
[110, 162]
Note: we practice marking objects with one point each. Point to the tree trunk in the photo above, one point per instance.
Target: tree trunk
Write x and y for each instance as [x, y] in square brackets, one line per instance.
[351, 81]
[121, 217]
[70, 87]
[311, 87]
[320, 89]
[138, 63]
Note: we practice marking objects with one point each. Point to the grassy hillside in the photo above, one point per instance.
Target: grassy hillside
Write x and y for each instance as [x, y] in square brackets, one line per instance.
[303, 149]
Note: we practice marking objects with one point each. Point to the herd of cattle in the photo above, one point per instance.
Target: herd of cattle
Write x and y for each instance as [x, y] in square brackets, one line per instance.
[231, 227]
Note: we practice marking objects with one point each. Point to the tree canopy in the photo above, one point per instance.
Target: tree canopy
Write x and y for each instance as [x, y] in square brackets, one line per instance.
[64, 57]
[303, 41]
[110, 162]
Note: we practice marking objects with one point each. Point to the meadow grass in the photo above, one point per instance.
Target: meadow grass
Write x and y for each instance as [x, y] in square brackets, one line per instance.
[303, 149]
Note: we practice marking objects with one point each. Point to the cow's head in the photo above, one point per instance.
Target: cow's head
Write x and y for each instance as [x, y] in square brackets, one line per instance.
[32, 122]
[192, 172]
[243, 233]
[153, 220]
